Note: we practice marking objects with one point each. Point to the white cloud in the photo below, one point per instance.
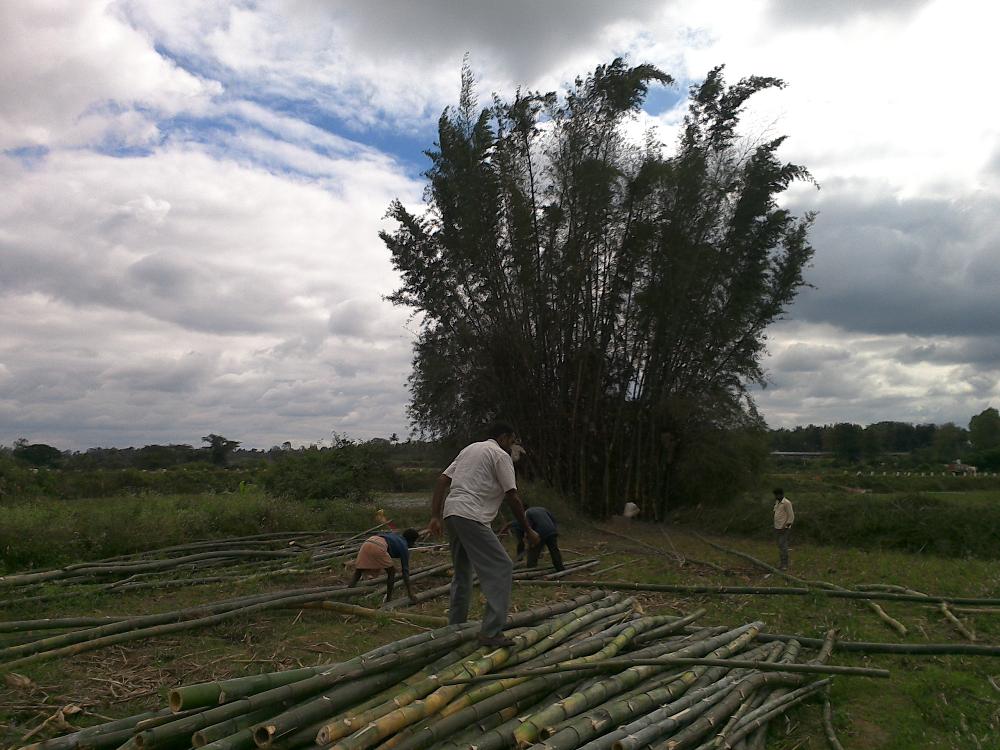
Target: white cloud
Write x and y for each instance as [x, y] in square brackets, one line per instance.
[71, 66]
[229, 280]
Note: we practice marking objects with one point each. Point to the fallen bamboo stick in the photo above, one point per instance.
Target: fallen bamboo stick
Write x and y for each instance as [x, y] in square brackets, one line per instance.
[610, 665]
[772, 590]
[354, 609]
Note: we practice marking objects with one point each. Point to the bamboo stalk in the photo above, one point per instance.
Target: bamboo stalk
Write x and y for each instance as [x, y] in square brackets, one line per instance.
[611, 665]
[770, 590]
[958, 624]
[954, 649]
[354, 609]
[774, 709]
[578, 702]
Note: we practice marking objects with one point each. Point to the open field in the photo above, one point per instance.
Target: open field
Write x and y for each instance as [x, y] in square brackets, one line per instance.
[930, 702]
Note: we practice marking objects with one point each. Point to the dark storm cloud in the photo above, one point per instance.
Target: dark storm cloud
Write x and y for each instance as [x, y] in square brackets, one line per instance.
[526, 36]
[912, 266]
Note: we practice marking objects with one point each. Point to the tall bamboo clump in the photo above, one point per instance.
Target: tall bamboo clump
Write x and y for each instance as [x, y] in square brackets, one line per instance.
[590, 672]
[607, 294]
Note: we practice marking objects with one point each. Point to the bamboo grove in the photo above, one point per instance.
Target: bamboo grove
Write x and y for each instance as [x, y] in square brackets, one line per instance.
[608, 297]
[592, 672]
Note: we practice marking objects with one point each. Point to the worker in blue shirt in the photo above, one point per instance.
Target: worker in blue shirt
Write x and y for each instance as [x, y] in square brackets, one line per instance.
[376, 555]
[544, 524]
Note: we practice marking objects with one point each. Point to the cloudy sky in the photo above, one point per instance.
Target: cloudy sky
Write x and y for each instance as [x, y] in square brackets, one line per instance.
[193, 190]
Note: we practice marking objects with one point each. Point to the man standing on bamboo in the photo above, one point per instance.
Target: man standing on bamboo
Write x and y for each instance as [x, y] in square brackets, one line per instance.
[784, 516]
[466, 499]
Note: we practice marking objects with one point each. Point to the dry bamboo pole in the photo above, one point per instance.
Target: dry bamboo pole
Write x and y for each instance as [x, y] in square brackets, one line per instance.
[18, 579]
[697, 698]
[194, 617]
[876, 608]
[718, 713]
[354, 609]
[956, 623]
[641, 543]
[78, 645]
[828, 730]
[532, 726]
[921, 649]
[57, 623]
[92, 736]
[666, 719]
[758, 737]
[621, 709]
[676, 661]
[766, 712]
[772, 590]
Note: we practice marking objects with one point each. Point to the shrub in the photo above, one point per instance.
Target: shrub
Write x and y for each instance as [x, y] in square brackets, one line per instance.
[348, 470]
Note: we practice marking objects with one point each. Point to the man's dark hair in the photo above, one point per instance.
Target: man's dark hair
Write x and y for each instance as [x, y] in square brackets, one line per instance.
[778, 492]
[411, 536]
[499, 428]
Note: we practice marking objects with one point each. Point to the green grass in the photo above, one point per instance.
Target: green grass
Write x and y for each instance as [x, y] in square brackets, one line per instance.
[949, 524]
[43, 533]
[930, 702]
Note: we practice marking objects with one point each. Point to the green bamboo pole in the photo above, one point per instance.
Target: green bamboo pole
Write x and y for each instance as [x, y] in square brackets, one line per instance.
[223, 729]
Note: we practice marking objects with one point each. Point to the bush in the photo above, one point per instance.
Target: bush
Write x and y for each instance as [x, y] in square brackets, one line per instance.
[347, 470]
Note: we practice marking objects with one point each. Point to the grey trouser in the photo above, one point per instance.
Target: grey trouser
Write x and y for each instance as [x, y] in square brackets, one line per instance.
[782, 536]
[475, 548]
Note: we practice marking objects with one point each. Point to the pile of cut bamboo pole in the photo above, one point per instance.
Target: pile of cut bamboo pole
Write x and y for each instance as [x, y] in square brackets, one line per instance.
[591, 672]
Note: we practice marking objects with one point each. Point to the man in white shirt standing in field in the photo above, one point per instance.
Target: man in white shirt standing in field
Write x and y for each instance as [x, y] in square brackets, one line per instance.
[784, 516]
[466, 499]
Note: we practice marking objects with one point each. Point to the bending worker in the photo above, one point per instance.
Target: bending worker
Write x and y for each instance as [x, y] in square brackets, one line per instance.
[466, 499]
[376, 555]
[544, 524]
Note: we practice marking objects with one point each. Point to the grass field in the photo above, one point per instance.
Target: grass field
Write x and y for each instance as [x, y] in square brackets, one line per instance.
[930, 702]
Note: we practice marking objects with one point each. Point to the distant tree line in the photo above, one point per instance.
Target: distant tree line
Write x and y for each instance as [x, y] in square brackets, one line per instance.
[979, 444]
[343, 469]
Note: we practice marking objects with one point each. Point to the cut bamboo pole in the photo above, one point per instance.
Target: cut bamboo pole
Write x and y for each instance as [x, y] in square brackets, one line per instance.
[769, 590]
[611, 665]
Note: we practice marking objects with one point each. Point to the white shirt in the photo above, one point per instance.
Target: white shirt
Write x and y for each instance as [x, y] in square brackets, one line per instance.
[784, 516]
[480, 476]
